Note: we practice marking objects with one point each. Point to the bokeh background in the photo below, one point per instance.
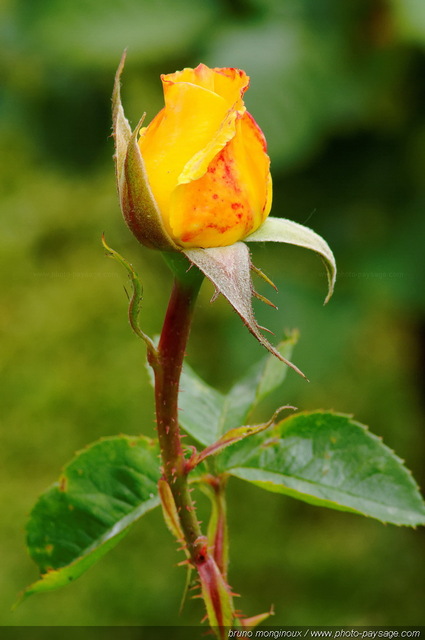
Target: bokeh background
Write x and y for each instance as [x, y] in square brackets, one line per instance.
[338, 88]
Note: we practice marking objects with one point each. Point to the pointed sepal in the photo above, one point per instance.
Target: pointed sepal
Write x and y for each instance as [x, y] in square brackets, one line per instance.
[120, 126]
[229, 269]
[138, 205]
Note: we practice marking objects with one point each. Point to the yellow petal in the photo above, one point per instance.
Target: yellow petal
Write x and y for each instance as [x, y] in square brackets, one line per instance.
[205, 159]
[250, 155]
[186, 125]
[231, 199]
[199, 163]
[229, 83]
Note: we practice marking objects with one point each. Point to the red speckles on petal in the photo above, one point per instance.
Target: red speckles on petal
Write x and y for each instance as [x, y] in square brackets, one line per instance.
[188, 236]
[226, 177]
[223, 205]
[219, 228]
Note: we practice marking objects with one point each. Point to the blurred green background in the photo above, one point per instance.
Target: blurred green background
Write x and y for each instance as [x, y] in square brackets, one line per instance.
[338, 88]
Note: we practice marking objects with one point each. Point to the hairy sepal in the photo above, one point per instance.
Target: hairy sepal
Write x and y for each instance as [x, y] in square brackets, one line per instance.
[121, 127]
[229, 269]
[138, 205]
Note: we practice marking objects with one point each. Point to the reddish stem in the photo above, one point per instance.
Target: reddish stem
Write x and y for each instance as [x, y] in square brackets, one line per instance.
[167, 368]
[167, 364]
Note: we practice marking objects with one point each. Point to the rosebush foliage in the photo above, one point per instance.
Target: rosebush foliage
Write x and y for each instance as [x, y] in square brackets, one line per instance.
[336, 89]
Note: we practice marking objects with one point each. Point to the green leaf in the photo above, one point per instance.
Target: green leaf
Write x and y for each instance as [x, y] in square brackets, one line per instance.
[201, 407]
[282, 230]
[101, 493]
[329, 460]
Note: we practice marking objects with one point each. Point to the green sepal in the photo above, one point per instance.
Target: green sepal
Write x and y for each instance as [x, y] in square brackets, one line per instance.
[229, 269]
[138, 204]
[290, 232]
[121, 128]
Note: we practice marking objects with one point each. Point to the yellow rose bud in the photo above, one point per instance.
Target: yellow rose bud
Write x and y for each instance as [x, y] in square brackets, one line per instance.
[205, 160]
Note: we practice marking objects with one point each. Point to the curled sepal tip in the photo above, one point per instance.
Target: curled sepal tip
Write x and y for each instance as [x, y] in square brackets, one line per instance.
[135, 300]
[289, 232]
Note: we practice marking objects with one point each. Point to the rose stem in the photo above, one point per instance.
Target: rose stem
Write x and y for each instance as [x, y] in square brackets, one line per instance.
[167, 369]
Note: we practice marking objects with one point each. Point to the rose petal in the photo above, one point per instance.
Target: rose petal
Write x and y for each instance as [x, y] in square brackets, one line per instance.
[229, 83]
[233, 195]
[186, 125]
